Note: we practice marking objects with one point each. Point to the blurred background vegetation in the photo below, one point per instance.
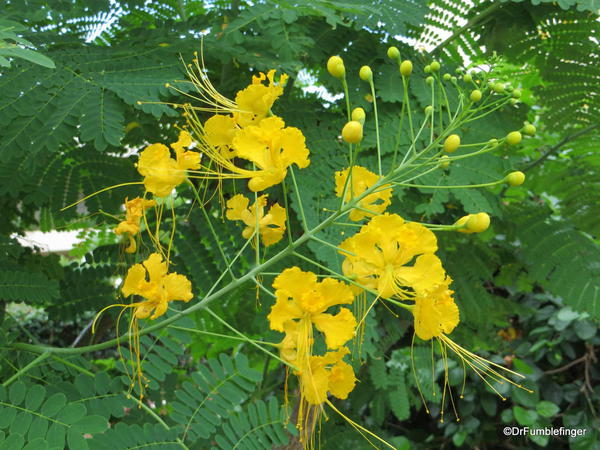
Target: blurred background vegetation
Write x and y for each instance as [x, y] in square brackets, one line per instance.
[71, 74]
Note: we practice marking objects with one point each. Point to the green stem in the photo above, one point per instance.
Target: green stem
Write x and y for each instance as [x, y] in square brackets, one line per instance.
[299, 198]
[31, 365]
[376, 125]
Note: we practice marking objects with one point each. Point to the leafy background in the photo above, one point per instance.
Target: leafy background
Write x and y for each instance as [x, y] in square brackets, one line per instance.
[528, 289]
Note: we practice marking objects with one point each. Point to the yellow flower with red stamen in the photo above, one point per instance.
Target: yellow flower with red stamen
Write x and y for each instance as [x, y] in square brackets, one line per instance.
[271, 226]
[255, 101]
[361, 180]
[134, 210]
[327, 374]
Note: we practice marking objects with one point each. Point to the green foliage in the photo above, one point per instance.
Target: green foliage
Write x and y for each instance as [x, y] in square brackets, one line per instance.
[30, 415]
[527, 289]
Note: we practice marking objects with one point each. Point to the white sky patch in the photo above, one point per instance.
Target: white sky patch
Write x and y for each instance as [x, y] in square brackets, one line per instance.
[51, 241]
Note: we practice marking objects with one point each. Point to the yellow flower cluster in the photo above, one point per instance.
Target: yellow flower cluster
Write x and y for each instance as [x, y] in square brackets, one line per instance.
[362, 179]
[134, 211]
[270, 226]
[249, 131]
[301, 306]
[397, 260]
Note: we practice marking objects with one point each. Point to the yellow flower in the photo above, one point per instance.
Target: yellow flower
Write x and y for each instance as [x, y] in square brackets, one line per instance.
[271, 226]
[435, 312]
[361, 180]
[159, 289]
[302, 299]
[163, 173]
[327, 373]
[255, 101]
[134, 210]
[272, 147]
[393, 257]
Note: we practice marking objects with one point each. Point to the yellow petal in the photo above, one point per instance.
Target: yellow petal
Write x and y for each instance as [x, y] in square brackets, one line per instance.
[220, 131]
[160, 308]
[282, 311]
[184, 140]
[144, 310]
[341, 380]
[315, 382]
[295, 282]
[135, 281]
[426, 273]
[177, 287]
[162, 173]
[236, 205]
[334, 292]
[157, 269]
[293, 148]
[337, 329]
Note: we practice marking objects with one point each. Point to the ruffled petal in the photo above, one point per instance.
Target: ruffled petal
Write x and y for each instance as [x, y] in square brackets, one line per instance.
[295, 282]
[177, 287]
[135, 281]
[426, 274]
[236, 205]
[157, 269]
[337, 329]
[334, 292]
[341, 380]
[282, 311]
[315, 382]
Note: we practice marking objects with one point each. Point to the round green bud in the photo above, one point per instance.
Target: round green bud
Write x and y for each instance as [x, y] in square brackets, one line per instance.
[365, 73]
[444, 161]
[459, 70]
[352, 132]
[513, 101]
[498, 87]
[529, 130]
[429, 81]
[516, 93]
[467, 78]
[435, 66]
[513, 138]
[452, 143]
[358, 114]
[406, 68]
[475, 95]
[393, 53]
[453, 79]
[427, 69]
[428, 109]
[515, 178]
[447, 77]
[335, 66]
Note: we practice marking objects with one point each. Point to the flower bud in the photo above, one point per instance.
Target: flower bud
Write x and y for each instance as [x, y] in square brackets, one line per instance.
[428, 109]
[447, 77]
[452, 143]
[516, 93]
[435, 66]
[352, 132]
[365, 73]
[475, 95]
[467, 78]
[516, 178]
[427, 69]
[393, 53]
[406, 68]
[529, 129]
[335, 66]
[498, 87]
[478, 223]
[358, 115]
[429, 81]
[444, 161]
[514, 138]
